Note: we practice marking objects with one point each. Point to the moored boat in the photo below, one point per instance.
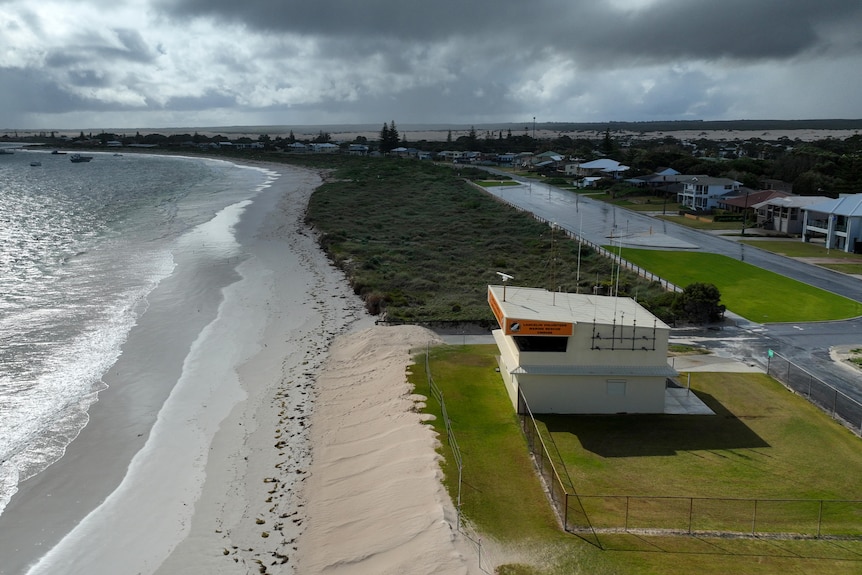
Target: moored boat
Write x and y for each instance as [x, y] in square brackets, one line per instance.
[78, 158]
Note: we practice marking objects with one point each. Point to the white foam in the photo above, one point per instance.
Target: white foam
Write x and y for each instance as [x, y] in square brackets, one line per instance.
[168, 472]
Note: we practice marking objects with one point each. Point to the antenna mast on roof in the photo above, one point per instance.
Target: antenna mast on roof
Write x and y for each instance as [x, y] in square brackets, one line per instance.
[506, 277]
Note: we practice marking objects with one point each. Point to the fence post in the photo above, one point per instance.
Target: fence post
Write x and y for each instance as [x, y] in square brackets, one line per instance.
[627, 514]
[690, 512]
[819, 519]
[754, 518]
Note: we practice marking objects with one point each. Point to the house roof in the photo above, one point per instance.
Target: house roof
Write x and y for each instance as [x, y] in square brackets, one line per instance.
[847, 205]
[602, 164]
[791, 201]
[539, 304]
[752, 198]
[706, 180]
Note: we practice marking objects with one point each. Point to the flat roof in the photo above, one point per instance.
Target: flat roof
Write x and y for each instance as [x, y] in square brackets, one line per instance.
[536, 304]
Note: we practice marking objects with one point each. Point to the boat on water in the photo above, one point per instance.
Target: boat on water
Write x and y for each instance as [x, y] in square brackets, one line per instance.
[78, 158]
[35, 163]
[58, 153]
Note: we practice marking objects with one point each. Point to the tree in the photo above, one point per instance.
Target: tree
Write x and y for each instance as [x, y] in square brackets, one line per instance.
[608, 146]
[698, 303]
[389, 138]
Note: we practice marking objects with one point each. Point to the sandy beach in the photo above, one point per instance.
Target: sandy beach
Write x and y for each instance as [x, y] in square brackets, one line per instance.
[290, 437]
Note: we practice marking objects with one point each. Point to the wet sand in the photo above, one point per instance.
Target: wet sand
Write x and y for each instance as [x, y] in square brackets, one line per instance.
[252, 462]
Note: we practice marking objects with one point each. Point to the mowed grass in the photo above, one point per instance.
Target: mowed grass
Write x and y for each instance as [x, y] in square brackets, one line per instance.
[763, 442]
[702, 224]
[754, 293]
[800, 249]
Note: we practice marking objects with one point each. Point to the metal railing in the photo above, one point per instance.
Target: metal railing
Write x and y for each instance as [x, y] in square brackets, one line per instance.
[833, 401]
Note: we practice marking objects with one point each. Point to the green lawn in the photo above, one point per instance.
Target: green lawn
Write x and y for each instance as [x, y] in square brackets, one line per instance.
[800, 249]
[855, 269]
[749, 291]
[764, 442]
[702, 225]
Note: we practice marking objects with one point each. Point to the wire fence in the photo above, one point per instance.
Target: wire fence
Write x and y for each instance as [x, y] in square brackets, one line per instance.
[766, 518]
[833, 401]
[463, 526]
[588, 516]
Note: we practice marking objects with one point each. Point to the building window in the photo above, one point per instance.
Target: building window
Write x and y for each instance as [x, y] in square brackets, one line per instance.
[541, 343]
[616, 386]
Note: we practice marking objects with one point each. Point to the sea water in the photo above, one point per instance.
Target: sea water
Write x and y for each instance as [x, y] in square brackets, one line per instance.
[82, 246]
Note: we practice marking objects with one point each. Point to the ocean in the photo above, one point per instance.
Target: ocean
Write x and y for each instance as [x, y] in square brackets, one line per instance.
[83, 249]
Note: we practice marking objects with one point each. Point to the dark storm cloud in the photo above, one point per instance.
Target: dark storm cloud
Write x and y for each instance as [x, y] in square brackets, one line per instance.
[122, 45]
[591, 32]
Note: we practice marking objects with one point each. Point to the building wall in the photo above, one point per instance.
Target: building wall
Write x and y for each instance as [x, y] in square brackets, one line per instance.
[592, 394]
[615, 347]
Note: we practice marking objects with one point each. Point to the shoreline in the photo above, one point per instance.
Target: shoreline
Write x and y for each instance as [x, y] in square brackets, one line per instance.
[206, 438]
[233, 472]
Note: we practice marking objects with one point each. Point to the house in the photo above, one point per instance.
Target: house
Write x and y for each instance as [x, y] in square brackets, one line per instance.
[578, 353]
[839, 222]
[297, 147]
[659, 179]
[449, 155]
[703, 192]
[783, 213]
[357, 150]
[547, 159]
[323, 148]
[600, 167]
[745, 200]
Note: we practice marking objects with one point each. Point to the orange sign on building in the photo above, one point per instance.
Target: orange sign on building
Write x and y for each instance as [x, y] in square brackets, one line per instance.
[536, 327]
[513, 326]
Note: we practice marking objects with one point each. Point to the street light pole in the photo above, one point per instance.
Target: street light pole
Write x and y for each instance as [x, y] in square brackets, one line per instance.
[744, 213]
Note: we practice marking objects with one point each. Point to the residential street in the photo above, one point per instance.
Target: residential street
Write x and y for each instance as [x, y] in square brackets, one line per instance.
[806, 344]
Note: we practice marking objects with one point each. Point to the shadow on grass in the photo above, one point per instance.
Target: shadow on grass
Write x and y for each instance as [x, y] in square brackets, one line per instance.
[642, 435]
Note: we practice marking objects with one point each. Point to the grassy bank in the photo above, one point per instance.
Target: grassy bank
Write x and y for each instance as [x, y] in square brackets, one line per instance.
[763, 442]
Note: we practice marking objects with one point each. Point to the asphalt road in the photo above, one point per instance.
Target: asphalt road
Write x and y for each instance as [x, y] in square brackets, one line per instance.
[806, 344]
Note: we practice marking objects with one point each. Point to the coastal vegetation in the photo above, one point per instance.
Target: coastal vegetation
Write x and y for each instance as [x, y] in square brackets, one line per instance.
[763, 444]
[421, 244]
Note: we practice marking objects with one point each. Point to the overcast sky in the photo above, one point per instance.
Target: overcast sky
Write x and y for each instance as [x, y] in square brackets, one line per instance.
[177, 63]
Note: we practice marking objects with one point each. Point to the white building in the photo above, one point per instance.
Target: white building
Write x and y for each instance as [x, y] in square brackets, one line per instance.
[577, 353]
[839, 222]
[704, 192]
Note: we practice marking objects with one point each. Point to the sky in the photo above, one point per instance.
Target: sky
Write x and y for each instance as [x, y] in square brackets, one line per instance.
[177, 63]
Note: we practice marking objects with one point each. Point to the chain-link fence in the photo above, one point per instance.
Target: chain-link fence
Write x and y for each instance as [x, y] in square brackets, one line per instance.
[777, 518]
[831, 400]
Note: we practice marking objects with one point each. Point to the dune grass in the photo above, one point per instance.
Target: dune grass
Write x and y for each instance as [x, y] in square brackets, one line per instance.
[749, 291]
[421, 244]
[764, 442]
